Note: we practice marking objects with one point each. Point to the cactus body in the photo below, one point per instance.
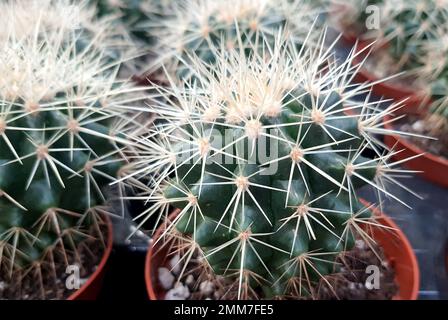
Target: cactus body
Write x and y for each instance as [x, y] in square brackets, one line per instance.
[274, 215]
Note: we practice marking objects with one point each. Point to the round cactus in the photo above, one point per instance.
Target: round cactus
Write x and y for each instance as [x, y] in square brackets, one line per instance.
[410, 26]
[61, 113]
[263, 158]
[80, 22]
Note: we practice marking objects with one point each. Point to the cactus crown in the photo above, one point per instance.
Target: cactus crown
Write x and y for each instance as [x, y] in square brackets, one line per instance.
[61, 108]
[20, 18]
[264, 164]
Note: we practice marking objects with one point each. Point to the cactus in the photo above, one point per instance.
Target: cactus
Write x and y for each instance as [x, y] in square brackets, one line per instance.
[135, 15]
[80, 22]
[263, 158]
[61, 111]
[407, 28]
[411, 25]
[196, 26]
[437, 91]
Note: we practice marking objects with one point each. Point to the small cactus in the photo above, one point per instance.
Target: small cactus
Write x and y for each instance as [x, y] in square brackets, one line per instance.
[19, 19]
[438, 110]
[61, 113]
[263, 158]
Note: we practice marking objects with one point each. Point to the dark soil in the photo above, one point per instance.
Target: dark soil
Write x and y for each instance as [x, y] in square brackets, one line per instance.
[349, 283]
[432, 126]
[48, 281]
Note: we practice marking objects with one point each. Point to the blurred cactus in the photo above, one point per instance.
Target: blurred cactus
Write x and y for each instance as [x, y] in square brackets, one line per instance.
[135, 15]
[406, 29]
[195, 27]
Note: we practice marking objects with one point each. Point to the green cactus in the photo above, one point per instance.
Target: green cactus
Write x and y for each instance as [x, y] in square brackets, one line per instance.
[264, 163]
[194, 27]
[135, 15]
[80, 22]
[61, 110]
[438, 109]
[410, 26]
[406, 29]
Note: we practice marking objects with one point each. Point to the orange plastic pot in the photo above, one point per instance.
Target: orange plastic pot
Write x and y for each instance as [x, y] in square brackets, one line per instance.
[91, 289]
[432, 167]
[396, 247]
[399, 254]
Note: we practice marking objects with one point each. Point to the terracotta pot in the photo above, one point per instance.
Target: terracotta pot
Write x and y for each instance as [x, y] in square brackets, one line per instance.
[156, 256]
[399, 254]
[416, 99]
[91, 289]
[434, 168]
[395, 244]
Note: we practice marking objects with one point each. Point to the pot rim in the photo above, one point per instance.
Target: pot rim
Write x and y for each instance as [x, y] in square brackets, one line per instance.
[411, 146]
[101, 265]
[387, 221]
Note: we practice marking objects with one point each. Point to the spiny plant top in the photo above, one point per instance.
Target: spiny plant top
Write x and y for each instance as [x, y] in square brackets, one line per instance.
[196, 26]
[19, 19]
[61, 110]
[263, 161]
[406, 28]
